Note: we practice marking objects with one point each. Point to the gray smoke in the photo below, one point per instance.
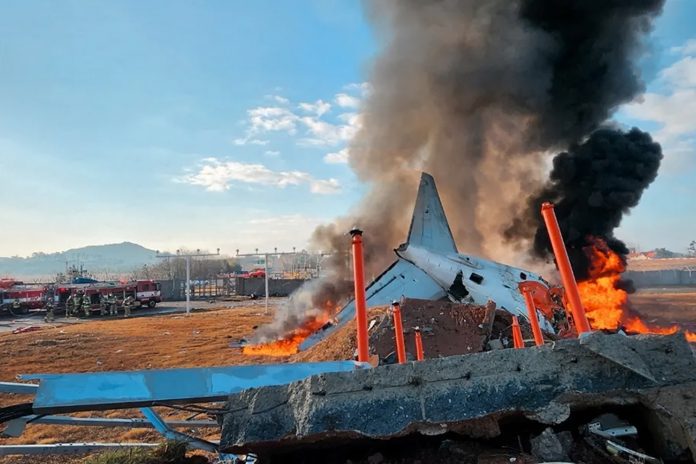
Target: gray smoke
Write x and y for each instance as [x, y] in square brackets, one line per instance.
[476, 93]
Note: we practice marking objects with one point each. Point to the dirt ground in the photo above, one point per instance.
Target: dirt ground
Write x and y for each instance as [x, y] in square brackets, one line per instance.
[666, 306]
[201, 339]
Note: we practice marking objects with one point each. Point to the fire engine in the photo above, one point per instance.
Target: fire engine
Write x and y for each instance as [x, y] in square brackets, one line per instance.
[146, 292]
[29, 296]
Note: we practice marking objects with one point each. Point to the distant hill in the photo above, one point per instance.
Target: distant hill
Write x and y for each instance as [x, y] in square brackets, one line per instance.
[113, 258]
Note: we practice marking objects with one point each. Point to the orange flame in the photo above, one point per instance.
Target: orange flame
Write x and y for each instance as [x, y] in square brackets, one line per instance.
[606, 304]
[290, 343]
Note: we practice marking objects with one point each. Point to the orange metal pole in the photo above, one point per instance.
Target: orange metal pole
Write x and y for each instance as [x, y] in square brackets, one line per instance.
[517, 339]
[563, 262]
[533, 319]
[399, 333]
[419, 345]
[360, 303]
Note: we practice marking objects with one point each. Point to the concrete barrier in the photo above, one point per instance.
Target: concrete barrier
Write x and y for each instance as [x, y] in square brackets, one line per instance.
[662, 278]
[473, 394]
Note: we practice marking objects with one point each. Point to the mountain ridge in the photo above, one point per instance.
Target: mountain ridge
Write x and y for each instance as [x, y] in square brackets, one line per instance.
[110, 257]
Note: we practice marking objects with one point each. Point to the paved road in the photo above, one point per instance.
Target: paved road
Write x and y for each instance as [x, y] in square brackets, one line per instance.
[8, 322]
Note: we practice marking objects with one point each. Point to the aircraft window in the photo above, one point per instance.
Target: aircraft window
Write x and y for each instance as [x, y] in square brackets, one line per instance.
[474, 277]
[523, 276]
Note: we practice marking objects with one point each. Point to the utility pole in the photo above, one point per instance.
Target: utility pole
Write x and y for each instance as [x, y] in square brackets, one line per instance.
[188, 257]
[265, 264]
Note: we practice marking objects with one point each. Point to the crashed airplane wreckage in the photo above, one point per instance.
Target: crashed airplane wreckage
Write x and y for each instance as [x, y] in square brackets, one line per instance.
[552, 398]
[430, 267]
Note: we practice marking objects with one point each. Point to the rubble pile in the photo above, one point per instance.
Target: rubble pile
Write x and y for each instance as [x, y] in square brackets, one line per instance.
[447, 329]
[531, 402]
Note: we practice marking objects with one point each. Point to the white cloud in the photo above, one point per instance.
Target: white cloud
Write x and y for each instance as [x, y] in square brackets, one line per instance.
[311, 122]
[681, 74]
[272, 118]
[364, 88]
[319, 107]
[250, 141]
[347, 101]
[673, 108]
[339, 157]
[272, 153]
[688, 48]
[325, 187]
[217, 176]
[324, 133]
[278, 99]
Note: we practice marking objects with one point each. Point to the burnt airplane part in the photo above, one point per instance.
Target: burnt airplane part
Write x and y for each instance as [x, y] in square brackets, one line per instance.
[430, 267]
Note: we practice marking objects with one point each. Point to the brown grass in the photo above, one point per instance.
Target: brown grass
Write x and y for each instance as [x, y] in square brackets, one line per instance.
[198, 340]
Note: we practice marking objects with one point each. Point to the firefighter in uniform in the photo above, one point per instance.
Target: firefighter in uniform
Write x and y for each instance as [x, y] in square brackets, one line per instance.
[77, 303]
[68, 305]
[87, 305]
[111, 300]
[128, 305]
[102, 305]
[50, 316]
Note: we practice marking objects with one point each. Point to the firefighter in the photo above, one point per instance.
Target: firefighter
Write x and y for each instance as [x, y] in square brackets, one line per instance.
[77, 303]
[111, 300]
[16, 306]
[128, 305]
[50, 316]
[87, 305]
[102, 304]
[68, 305]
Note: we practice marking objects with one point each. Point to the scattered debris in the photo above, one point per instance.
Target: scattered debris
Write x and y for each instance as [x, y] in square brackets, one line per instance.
[548, 446]
[29, 328]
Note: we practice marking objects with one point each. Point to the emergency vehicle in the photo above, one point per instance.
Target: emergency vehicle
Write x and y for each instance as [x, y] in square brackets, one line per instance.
[145, 292]
[29, 296]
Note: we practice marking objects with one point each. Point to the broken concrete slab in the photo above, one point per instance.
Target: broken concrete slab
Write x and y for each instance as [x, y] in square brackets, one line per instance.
[469, 395]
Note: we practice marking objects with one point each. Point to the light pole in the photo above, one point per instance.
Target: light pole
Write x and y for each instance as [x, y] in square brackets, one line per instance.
[265, 265]
[187, 257]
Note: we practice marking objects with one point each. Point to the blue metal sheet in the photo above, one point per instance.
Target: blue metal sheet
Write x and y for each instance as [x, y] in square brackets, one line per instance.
[18, 388]
[112, 390]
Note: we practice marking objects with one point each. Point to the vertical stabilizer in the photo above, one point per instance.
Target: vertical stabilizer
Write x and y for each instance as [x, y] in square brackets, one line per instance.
[429, 226]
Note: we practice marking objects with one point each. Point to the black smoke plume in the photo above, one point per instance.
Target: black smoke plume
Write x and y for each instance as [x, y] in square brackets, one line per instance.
[475, 93]
[592, 186]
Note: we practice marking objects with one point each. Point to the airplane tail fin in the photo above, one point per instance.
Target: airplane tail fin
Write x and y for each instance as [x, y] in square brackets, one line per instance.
[429, 226]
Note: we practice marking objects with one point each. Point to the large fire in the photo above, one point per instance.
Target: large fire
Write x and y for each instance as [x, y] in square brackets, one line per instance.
[289, 344]
[605, 302]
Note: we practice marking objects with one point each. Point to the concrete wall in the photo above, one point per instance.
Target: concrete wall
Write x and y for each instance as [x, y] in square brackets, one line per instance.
[665, 278]
[276, 287]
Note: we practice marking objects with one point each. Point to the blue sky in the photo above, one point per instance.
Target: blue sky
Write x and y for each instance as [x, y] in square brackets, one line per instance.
[223, 123]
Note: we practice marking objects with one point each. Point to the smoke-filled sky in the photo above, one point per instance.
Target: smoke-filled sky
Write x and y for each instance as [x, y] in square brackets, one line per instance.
[225, 124]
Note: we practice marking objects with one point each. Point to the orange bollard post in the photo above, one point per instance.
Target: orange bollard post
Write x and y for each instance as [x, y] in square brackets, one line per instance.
[563, 262]
[399, 333]
[419, 345]
[517, 339]
[360, 303]
[533, 318]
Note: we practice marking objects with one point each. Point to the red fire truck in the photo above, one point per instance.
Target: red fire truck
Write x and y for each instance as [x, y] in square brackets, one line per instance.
[29, 296]
[146, 292]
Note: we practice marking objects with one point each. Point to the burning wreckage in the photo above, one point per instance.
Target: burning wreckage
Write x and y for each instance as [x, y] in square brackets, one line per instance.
[596, 397]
